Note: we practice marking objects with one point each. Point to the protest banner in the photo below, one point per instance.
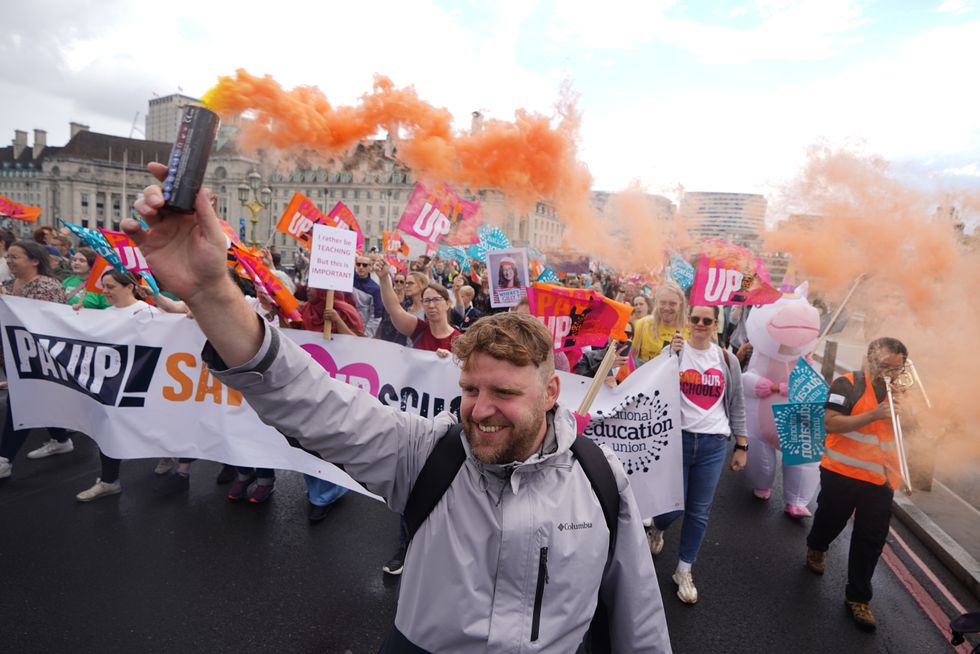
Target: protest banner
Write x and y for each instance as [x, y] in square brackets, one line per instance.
[681, 271]
[266, 281]
[93, 283]
[301, 215]
[431, 214]
[490, 237]
[95, 240]
[455, 253]
[578, 317]
[393, 243]
[17, 211]
[332, 258]
[720, 282]
[548, 276]
[129, 254]
[142, 391]
[799, 422]
[507, 276]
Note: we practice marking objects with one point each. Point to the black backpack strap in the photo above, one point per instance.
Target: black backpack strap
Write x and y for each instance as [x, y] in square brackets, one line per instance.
[437, 475]
[596, 468]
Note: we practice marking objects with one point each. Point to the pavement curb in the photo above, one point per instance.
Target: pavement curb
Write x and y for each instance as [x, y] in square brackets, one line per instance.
[958, 560]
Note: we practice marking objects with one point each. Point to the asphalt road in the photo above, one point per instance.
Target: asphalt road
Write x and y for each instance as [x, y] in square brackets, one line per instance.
[195, 573]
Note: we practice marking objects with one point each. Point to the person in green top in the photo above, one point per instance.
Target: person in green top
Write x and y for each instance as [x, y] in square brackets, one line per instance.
[81, 263]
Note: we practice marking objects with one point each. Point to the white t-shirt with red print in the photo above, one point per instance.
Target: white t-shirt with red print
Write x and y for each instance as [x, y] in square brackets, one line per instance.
[703, 390]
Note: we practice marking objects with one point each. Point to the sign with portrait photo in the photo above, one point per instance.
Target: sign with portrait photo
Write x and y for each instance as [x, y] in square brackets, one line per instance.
[507, 276]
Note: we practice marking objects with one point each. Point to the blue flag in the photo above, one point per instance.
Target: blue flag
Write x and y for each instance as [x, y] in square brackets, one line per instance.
[681, 271]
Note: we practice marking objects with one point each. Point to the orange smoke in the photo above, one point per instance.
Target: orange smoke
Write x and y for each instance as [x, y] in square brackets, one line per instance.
[854, 217]
[526, 159]
[531, 158]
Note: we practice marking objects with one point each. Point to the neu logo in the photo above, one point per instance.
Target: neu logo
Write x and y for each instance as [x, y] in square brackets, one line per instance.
[114, 375]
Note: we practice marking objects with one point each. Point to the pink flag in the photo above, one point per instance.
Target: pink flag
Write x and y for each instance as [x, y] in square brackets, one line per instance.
[430, 215]
[728, 274]
[124, 246]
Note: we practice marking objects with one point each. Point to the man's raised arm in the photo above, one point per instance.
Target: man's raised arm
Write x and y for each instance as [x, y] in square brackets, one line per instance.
[188, 255]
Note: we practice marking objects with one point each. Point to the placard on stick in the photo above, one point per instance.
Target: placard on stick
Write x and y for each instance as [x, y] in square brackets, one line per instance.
[332, 254]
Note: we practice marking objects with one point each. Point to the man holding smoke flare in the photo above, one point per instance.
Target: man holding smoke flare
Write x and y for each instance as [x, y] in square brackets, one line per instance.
[521, 552]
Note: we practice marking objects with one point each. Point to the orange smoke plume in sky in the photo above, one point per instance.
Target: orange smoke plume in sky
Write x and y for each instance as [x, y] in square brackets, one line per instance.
[532, 158]
[854, 216]
[527, 159]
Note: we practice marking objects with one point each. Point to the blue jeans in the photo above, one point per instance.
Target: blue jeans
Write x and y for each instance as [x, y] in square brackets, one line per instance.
[704, 457]
[322, 492]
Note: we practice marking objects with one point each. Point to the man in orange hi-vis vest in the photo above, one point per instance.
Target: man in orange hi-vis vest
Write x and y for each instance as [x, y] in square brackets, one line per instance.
[859, 472]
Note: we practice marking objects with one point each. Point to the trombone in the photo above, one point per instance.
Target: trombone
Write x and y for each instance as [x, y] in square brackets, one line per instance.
[904, 381]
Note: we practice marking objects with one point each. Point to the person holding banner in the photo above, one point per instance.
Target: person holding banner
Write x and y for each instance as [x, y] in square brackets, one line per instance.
[712, 412]
[859, 472]
[656, 331]
[81, 265]
[30, 267]
[490, 568]
[124, 295]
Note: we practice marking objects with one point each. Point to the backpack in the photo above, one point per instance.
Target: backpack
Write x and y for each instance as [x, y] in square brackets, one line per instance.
[444, 463]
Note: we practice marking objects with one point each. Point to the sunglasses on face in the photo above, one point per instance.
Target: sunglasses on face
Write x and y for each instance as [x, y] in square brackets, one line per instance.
[698, 320]
[399, 282]
[362, 265]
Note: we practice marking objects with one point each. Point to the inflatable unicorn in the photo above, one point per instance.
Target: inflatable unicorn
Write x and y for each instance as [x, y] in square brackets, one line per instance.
[780, 333]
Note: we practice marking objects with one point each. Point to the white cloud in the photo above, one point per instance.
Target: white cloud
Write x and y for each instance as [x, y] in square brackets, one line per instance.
[969, 170]
[786, 29]
[955, 7]
[914, 105]
[337, 47]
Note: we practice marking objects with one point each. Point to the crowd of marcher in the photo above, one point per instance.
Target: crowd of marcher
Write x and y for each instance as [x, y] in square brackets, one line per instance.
[434, 305]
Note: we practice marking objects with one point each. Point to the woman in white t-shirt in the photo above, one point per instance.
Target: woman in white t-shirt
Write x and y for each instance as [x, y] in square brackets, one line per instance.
[712, 412]
[123, 295]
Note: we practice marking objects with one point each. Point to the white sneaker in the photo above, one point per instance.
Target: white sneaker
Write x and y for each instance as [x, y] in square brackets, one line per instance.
[164, 466]
[686, 591]
[655, 539]
[100, 489]
[5, 467]
[51, 448]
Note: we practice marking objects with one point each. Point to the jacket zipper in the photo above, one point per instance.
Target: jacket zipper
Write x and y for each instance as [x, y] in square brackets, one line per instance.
[539, 593]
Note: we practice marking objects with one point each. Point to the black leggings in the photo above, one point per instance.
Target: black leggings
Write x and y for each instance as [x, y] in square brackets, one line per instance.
[13, 439]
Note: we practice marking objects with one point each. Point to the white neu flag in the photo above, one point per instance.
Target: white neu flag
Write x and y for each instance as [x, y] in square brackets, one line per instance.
[137, 385]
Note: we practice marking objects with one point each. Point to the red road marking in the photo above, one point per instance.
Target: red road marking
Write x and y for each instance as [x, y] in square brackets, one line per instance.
[921, 596]
[932, 577]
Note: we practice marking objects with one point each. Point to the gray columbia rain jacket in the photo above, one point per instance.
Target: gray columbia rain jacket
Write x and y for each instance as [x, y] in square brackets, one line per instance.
[471, 573]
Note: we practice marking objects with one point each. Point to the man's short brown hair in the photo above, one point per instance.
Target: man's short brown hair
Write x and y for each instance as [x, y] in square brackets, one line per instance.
[514, 337]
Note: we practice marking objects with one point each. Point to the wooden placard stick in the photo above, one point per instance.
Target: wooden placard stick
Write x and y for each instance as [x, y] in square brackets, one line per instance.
[833, 319]
[327, 323]
[600, 377]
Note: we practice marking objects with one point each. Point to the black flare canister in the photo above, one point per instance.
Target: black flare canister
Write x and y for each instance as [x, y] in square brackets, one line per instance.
[189, 158]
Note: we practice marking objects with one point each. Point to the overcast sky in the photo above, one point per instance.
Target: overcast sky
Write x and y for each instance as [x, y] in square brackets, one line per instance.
[722, 96]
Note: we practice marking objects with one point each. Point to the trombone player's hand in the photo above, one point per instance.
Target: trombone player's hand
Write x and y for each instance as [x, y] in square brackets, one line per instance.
[883, 411]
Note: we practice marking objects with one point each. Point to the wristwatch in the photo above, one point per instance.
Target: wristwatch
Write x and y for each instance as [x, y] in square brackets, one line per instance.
[744, 448]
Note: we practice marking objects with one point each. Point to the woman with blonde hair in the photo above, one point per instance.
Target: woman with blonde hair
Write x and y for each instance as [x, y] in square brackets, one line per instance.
[669, 316]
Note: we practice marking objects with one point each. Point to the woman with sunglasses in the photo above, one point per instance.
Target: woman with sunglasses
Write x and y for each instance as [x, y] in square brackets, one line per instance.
[712, 412]
[408, 290]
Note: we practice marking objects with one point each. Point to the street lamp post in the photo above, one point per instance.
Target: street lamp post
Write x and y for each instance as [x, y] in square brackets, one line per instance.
[260, 199]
